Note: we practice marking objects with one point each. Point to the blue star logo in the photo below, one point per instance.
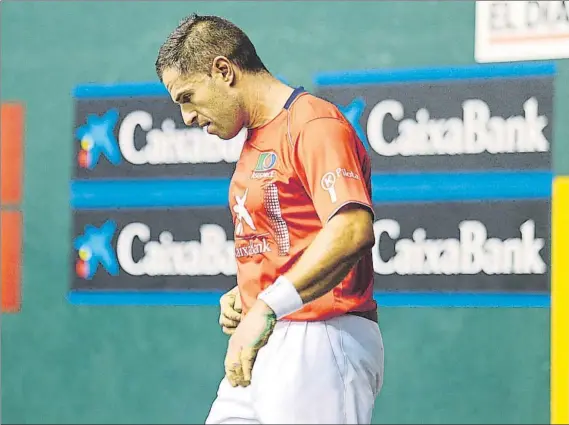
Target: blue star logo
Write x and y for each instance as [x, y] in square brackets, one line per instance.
[94, 247]
[353, 113]
[96, 138]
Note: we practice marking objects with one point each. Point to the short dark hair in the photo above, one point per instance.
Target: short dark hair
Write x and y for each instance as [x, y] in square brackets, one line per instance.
[197, 40]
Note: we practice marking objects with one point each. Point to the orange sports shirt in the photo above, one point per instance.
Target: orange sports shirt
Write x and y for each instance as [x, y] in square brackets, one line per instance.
[294, 174]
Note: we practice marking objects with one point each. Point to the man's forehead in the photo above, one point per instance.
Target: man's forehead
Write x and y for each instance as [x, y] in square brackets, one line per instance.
[177, 82]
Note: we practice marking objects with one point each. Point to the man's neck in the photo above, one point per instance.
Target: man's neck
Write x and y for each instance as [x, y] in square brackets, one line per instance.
[264, 99]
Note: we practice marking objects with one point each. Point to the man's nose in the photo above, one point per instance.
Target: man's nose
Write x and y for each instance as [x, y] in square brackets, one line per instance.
[189, 117]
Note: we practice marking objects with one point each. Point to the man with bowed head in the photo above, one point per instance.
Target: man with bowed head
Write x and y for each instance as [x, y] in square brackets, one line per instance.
[305, 345]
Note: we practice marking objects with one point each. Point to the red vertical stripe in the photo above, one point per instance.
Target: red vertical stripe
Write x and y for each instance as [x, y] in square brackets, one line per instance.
[11, 146]
[11, 168]
[11, 252]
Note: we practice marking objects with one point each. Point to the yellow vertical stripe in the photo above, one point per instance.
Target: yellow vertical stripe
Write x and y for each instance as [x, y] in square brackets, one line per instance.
[560, 303]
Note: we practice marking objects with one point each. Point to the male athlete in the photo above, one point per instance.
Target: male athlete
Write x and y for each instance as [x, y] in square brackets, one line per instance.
[305, 347]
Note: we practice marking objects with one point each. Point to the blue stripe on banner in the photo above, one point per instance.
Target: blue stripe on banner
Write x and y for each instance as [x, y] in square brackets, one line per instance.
[425, 187]
[213, 192]
[418, 299]
[191, 298]
[143, 88]
[384, 299]
[478, 71]
[120, 90]
[149, 193]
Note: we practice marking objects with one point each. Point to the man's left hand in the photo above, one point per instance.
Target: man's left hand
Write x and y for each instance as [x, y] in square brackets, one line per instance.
[251, 335]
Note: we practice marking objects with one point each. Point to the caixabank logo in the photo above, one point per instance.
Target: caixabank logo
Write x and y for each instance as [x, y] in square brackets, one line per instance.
[475, 246]
[159, 250]
[483, 117]
[94, 248]
[125, 131]
[97, 139]
[494, 246]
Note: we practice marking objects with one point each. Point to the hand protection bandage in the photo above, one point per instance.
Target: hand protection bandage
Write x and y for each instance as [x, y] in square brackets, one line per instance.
[282, 297]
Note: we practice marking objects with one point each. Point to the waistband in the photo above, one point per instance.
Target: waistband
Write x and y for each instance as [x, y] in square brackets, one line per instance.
[370, 315]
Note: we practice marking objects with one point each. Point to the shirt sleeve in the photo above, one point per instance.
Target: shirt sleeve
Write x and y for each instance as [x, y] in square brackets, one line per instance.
[330, 162]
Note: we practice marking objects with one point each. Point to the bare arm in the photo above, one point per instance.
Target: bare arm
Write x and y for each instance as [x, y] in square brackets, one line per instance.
[326, 261]
[332, 254]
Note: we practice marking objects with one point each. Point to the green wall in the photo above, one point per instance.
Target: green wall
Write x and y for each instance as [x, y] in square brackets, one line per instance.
[79, 364]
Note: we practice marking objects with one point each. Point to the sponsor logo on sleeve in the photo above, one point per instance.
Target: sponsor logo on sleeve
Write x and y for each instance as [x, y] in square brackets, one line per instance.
[328, 182]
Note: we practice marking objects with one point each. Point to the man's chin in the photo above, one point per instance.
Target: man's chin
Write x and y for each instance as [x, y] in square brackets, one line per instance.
[224, 136]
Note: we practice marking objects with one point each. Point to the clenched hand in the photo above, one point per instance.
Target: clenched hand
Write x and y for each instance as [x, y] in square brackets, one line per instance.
[251, 335]
[231, 309]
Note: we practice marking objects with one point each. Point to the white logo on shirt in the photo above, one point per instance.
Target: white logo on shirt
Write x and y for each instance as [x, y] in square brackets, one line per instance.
[342, 172]
[242, 214]
[328, 182]
[253, 248]
[263, 175]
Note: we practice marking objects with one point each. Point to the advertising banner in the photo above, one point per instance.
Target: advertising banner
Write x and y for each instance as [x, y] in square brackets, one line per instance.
[153, 250]
[143, 136]
[452, 247]
[449, 119]
[497, 246]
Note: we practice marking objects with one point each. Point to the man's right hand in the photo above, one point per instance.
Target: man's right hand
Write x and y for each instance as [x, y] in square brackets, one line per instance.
[231, 309]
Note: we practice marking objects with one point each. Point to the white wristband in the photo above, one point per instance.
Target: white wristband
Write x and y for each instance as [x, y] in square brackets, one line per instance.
[282, 297]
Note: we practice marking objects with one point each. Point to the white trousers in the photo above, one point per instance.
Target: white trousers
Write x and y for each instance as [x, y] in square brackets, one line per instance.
[327, 372]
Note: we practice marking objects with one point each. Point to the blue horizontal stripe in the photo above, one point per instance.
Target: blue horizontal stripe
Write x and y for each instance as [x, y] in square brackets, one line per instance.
[478, 71]
[143, 88]
[384, 299]
[120, 90]
[373, 76]
[411, 299]
[426, 187]
[193, 298]
[149, 193]
[416, 187]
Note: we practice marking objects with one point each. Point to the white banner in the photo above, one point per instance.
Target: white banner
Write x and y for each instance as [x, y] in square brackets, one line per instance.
[521, 30]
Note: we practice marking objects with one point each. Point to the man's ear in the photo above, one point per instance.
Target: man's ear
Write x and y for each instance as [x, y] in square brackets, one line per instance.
[223, 69]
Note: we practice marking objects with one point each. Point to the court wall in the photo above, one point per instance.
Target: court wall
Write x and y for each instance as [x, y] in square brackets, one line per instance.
[69, 363]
